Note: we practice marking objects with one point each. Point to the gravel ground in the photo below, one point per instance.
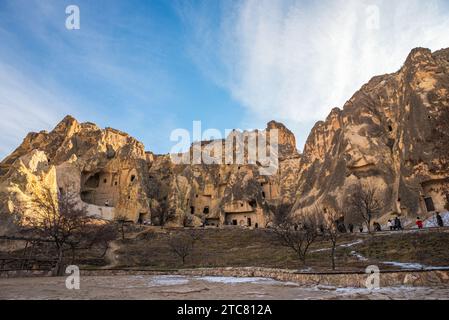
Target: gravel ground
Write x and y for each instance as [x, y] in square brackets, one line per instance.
[212, 288]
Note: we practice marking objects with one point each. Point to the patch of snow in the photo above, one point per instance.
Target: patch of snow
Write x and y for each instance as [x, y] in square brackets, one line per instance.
[235, 280]
[432, 222]
[326, 288]
[168, 280]
[436, 268]
[413, 266]
[347, 245]
[405, 265]
[399, 289]
[358, 256]
[321, 250]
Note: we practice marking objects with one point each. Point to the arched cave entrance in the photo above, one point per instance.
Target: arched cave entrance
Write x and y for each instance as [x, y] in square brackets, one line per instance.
[99, 188]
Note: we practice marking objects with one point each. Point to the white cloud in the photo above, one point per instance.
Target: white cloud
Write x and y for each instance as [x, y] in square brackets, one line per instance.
[294, 61]
[26, 105]
[35, 96]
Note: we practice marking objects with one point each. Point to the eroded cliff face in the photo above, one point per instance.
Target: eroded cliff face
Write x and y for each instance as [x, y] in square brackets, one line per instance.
[224, 194]
[105, 167]
[392, 134]
[114, 177]
[384, 136]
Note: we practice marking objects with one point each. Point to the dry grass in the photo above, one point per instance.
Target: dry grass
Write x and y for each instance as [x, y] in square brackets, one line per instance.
[244, 248]
[147, 248]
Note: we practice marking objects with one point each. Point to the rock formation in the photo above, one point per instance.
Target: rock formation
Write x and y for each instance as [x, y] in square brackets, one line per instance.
[217, 194]
[392, 134]
[113, 175]
[387, 135]
[107, 168]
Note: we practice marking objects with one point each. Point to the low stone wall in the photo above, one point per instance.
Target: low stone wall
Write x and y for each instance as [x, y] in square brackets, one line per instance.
[357, 280]
[25, 273]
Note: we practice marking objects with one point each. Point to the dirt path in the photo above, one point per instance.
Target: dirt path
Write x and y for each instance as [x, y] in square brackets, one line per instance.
[111, 255]
[189, 287]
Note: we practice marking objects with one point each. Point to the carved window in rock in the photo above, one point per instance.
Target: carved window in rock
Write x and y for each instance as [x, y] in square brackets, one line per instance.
[253, 203]
[133, 177]
[206, 210]
[93, 181]
[430, 206]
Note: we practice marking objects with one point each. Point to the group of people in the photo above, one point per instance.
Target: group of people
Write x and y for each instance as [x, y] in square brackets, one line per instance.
[439, 220]
[395, 224]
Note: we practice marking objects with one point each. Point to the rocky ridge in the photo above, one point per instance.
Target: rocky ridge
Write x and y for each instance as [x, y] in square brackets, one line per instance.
[390, 134]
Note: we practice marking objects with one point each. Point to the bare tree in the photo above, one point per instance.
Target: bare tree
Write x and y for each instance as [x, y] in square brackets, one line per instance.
[122, 221]
[100, 235]
[183, 244]
[57, 217]
[298, 236]
[160, 211]
[364, 201]
[60, 218]
[330, 219]
[280, 213]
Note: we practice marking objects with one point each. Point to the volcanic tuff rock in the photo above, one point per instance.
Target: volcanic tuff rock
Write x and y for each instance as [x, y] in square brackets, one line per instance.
[392, 134]
[107, 168]
[385, 136]
[115, 177]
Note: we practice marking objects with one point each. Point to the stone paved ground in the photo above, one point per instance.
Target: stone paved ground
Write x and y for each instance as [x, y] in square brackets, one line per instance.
[181, 287]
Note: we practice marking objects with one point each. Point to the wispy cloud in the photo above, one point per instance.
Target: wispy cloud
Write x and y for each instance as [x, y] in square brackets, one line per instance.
[295, 60]
[25, 104]
[108, 72]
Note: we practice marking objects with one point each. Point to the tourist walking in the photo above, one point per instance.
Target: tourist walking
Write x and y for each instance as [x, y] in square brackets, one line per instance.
[397, 224]
[377, 227]
[419, 223]
[351, 228]
[440, 221]
[390, 225]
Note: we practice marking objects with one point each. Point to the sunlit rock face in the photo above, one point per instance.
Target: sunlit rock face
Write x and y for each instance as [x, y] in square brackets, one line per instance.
[387, 135]
[225, 194]
[113, 176]
[27, 177]
[384, 136]
[106, 167]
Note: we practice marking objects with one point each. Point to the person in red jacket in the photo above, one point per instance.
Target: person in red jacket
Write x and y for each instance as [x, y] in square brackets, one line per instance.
[419, 223]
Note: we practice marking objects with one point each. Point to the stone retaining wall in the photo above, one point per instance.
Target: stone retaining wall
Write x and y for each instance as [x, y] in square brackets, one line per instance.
[358, 280]
[25, 273]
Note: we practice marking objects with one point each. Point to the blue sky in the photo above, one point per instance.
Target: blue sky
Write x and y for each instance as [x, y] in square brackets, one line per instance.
[149, 67]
